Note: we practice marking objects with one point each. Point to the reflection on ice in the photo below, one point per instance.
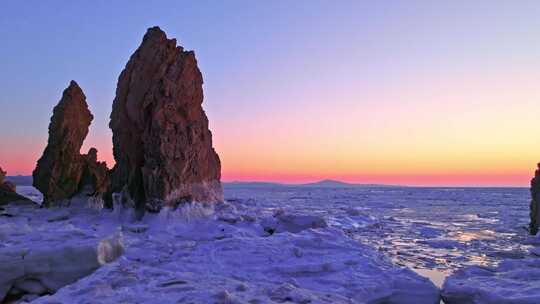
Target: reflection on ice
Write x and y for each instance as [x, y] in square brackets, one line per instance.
[467, 236]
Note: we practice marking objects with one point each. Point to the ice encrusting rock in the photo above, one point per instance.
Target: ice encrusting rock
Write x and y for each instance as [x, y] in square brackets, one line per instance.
[61, 168]
[161, 141]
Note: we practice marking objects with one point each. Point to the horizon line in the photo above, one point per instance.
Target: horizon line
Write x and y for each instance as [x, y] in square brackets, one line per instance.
[284, 183]
[353, 183]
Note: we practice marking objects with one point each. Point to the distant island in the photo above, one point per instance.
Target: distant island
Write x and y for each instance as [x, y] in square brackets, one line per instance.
[325, 183]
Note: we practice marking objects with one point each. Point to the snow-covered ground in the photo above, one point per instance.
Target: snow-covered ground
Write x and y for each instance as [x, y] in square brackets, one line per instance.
[242, 251]
[297, 244]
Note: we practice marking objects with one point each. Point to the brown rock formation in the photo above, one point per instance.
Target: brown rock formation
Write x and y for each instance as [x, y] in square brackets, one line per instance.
[162, 144]
[535, 202]
[9, 186]
[59, 171]
[95, 173]
[8, 192]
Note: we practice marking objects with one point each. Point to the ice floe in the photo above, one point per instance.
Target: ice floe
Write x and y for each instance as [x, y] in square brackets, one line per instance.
[512, 281]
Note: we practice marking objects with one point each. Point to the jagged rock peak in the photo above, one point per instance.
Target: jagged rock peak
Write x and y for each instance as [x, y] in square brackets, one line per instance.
[59, 170]
[70, 121]
[95, 174]
[161, 141]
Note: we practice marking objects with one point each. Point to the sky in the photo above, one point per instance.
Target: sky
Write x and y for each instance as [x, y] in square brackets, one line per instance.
[395, 92]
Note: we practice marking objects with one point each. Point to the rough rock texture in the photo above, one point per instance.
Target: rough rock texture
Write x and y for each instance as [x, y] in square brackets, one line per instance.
[61, 169]
[95, 173]
[9, 186]
[535, 207]
[162, 144]
[8, 192]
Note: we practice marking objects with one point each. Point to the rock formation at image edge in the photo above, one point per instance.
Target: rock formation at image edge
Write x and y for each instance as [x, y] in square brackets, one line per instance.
[8, 192]
[535, 201]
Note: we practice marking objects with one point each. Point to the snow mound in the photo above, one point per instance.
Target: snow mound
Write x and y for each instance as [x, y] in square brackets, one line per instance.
[313, 266]
[46, 266]
[512, 281]
[290, 222]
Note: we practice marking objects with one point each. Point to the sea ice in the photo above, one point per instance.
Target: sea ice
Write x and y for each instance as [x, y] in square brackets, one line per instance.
[216, 254]
[512, 281]
[321, 249]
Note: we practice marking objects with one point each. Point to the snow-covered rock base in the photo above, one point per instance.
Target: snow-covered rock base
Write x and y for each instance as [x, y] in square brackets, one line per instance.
[229, 253]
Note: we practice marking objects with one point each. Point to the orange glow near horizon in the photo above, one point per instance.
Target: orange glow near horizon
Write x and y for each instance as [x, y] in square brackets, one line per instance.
[470, 136]
[458, 132]
[507, 180]
[460, 129]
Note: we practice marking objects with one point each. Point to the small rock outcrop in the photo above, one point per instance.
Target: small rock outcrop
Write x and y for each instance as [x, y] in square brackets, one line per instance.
[535, 202]
[95, 173]
[8, 192]
[161, 141]
[61, 169]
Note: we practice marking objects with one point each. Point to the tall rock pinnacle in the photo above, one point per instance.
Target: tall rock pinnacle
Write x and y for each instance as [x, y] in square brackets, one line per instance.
[161, 141]
[60, 169]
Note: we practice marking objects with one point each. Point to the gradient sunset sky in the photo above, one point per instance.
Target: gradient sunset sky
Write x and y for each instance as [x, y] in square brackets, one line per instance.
[396, 92]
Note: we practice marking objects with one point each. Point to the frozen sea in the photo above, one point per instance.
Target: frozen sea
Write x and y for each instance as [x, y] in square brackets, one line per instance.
[433, 231]
[302, 244]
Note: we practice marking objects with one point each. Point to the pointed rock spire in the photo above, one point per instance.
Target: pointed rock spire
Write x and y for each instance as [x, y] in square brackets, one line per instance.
[59, 170]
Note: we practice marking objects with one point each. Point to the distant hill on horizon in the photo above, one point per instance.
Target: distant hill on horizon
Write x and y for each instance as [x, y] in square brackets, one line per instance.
[339, 184]
[325, 183]
[20, 180]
